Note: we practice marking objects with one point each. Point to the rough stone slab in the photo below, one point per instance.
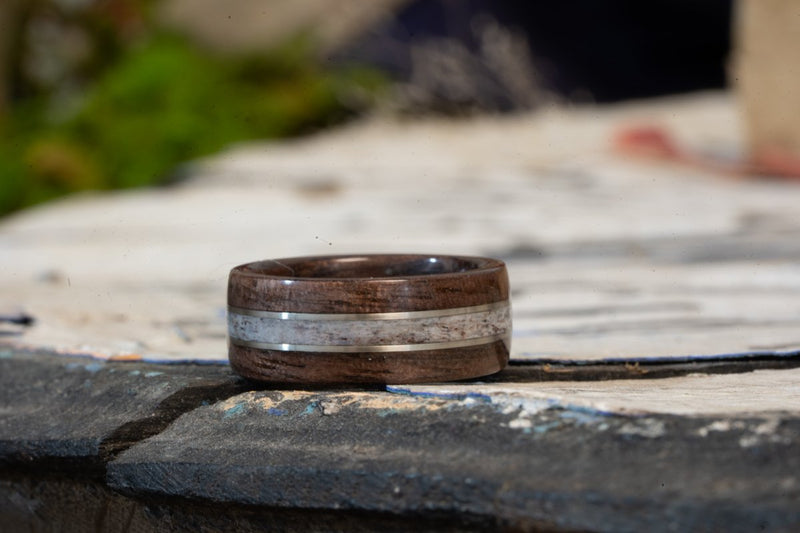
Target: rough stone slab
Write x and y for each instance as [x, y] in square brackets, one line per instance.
[764, 392]
[524, 462]
[608, 258]
[79, 506]
[66, 413]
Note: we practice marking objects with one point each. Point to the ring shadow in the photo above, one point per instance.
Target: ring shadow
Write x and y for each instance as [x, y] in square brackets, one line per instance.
[549, 370]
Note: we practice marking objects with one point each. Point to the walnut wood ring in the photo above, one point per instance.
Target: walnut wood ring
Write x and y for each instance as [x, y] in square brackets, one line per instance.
[368, 319]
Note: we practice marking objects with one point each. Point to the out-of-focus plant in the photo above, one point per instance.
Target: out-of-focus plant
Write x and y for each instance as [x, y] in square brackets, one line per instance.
[160, 102]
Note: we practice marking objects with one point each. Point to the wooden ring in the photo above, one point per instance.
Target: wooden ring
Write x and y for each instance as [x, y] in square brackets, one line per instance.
[369, 319]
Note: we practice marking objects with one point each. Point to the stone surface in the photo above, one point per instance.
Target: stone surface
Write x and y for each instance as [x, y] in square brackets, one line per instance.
[699, 391]
[71, 414]
[521, 463]
[120, 446]
[608, 258]
[80, 506]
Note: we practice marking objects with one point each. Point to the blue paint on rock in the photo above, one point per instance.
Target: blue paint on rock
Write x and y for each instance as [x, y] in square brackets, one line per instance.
[310, 408]
[233, 411]
[94, 367]
[541, 429]
[460, 396]
[91, 367]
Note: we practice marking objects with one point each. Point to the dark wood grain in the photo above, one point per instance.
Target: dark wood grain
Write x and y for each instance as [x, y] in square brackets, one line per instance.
[367, 284]
[385, 368]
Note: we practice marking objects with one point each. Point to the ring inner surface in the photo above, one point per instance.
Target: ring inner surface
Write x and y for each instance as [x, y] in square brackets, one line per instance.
[370, 267]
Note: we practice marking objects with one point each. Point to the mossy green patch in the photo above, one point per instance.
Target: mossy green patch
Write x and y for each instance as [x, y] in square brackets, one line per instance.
[165, 102]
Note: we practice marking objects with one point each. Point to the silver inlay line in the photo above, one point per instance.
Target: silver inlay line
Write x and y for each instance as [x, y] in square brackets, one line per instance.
[433, 313]
[285, 347]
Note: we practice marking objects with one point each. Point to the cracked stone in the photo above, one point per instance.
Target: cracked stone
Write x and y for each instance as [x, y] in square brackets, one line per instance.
[70, 412]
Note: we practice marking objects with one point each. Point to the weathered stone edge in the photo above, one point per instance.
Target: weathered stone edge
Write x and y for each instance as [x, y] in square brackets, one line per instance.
[521, 465]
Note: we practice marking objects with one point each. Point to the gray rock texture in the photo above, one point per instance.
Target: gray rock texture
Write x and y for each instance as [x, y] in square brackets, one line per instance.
[527, 466]
[128, 446]
[68, 413]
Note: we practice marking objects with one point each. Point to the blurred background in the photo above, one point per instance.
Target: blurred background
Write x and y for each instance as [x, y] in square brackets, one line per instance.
[658, 142]
[105, 94]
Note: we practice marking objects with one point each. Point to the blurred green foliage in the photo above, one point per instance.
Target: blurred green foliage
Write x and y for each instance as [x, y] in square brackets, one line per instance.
[164, 102]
